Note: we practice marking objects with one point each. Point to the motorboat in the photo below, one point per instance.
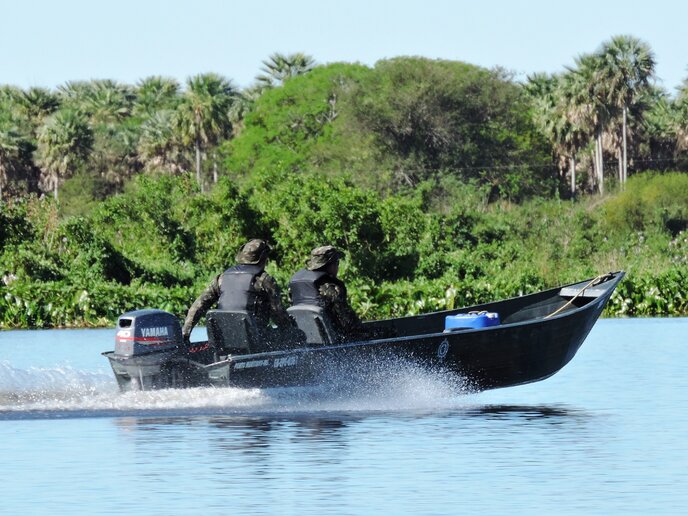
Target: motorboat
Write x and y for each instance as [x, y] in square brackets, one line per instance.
[493, 345]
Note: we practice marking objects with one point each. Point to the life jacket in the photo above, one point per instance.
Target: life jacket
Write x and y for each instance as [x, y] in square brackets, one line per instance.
[304, 287]
[237, 291]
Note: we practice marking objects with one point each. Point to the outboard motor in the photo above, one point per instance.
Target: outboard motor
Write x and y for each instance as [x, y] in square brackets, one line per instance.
[147, 352]
[146, 331]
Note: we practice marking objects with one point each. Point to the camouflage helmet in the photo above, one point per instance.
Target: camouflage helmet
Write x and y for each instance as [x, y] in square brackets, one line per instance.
[322, 256]
[252, 252]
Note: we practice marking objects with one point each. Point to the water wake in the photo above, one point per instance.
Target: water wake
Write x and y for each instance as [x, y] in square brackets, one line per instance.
[66, 392]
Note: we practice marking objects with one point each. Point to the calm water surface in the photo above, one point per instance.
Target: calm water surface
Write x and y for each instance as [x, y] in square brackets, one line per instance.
[607, 435]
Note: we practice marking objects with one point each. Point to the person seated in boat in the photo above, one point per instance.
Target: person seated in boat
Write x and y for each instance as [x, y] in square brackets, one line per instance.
[246, 286]
[317, 284]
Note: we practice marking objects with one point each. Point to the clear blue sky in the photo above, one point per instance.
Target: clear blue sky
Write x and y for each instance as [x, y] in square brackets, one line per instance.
[48, 42]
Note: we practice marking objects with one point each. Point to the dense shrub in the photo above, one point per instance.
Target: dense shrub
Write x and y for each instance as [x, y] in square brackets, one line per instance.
[158, 243]
[50, 304]
[659, 200]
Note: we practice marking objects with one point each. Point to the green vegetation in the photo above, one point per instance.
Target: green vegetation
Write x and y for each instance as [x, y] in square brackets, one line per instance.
[446, 184]
[158, 243]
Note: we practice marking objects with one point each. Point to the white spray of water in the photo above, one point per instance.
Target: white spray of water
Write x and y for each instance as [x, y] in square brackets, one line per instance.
[50, 379]
[64, 391]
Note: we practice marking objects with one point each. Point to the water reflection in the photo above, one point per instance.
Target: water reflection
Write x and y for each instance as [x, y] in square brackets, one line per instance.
[259, 430]
[336, 456]
[255, 429]
[527, 412]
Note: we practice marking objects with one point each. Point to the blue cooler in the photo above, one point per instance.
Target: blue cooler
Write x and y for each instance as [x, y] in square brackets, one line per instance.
[471, 320]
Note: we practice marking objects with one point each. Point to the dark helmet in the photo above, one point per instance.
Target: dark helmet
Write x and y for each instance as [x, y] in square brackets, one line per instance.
[322, 256]
[252, 251]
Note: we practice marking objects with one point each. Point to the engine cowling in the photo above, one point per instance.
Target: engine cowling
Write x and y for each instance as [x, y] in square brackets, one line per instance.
[146, 331]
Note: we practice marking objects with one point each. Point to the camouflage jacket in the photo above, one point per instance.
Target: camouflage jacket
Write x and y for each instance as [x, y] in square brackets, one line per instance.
[344, 318]
[266, 287]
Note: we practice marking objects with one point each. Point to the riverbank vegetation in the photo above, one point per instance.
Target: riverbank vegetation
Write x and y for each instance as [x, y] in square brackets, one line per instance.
[445, 183]
[159, 242]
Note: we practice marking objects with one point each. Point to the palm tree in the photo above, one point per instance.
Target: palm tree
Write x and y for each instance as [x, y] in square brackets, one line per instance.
[588, 98]
[626, 66]
[681, 117]
[156, 93]
[204, 113]
[575, 122]
[560, 118]
[17, 139]
[659, 128]
[71, 95]
[242, 105]
[36, 104]
[114, 154]
[279, 67]
[9, 135]
[104, 101]
[107, 102]
[10, 145]
[160, 146]
[9, 94]
[64, 141]
[542, 89]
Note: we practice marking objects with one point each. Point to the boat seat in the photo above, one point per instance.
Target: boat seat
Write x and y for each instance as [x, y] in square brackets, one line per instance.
[233, 332]
[311, 319]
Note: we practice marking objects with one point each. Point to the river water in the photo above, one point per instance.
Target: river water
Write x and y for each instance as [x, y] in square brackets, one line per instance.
[607, 434]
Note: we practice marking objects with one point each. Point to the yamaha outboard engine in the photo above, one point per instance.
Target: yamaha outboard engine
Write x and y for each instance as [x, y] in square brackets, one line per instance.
[148, 351]
[146, 331]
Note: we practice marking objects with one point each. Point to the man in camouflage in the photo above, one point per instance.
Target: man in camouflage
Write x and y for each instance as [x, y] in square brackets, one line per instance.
[317, 284]
[245, 286]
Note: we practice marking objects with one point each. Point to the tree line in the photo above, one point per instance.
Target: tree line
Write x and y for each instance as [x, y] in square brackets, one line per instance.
[391, 127]
[608, 108]
[112, 131]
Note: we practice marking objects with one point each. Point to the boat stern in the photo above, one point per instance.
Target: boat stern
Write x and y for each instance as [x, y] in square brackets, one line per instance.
[149, 351]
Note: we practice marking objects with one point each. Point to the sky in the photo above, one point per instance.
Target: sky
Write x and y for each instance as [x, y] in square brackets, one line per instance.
[47, 43]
